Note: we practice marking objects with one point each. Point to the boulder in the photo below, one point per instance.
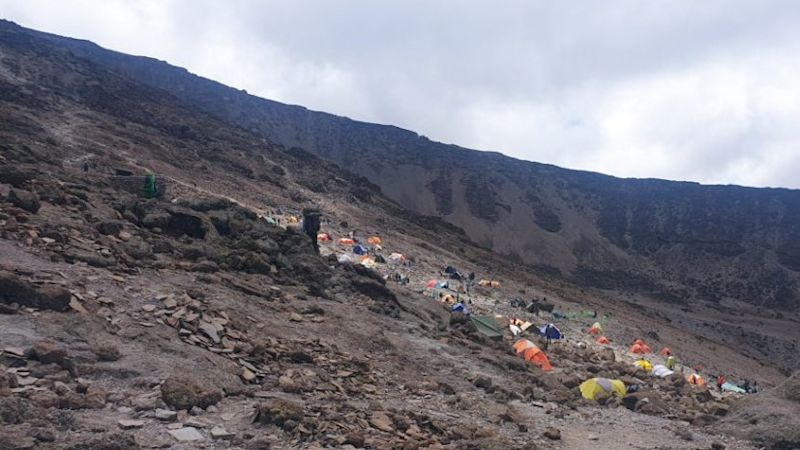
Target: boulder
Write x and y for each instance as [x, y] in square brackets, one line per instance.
[14, 289]
[48, 352]
[278, 412]
[26, 200]
[16, 176]
[111, 227]
[183, 392]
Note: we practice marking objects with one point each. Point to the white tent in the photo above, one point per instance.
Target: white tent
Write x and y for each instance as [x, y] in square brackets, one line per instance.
[661, 371]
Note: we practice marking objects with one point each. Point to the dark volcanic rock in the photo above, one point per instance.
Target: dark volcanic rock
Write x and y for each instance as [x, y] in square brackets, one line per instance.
[16, 290]
[26, 200]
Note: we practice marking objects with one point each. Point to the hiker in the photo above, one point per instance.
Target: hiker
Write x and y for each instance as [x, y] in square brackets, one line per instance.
[754, 389]
[746, 386]
[311, 223]
[670, 363]
[720, 382]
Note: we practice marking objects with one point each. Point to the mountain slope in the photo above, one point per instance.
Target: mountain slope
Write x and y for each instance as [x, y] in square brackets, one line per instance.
[675, 241]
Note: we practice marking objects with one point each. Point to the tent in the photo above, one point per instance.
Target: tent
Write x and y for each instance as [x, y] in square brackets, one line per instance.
[665, 352]
[489, 283]
[550, 331]
[598, 388]
[523, 344]
[368, 262]
[345, 258]
[596, 328]
[487, 326]
[538, 358]
[450, 299]
[730, 387]
[374, 240]
[292, 220]
[397, 258]
[695, 379]
[430, 284]
[644, 365]
[270, 220]
[450, 270]
[345, 241]
[380, 259]
[323, 237]
[360, 250]
[661, 371]
[531, 352]
[459, 307]
[640, 347]
[522, 324]
[515, 330]
[602, 340]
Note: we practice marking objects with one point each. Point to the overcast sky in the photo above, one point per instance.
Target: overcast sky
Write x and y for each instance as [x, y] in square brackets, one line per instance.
[704, 91]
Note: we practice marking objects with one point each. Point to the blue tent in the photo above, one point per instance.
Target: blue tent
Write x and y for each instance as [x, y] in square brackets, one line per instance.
[360, 250]
[550, 331]
[459, 307]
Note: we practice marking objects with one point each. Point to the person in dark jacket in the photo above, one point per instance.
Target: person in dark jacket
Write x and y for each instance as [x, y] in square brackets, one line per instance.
[311, 224]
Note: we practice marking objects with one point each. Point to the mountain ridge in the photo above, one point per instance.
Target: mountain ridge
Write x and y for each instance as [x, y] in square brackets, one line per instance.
[590, 228]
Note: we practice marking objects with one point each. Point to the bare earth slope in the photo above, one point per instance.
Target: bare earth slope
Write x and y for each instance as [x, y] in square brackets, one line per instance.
[188, 321]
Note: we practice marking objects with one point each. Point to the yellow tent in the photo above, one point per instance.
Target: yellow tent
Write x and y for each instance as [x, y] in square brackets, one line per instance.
[645, 365]
[596, 388]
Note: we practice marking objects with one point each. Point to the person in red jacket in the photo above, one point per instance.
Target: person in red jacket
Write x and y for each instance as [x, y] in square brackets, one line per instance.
[720, 382]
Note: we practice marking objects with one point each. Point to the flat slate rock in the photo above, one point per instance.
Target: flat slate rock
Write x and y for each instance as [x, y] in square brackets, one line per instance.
[186, 434]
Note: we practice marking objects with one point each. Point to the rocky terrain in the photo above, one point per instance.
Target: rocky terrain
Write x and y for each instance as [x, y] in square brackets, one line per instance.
[189, 320]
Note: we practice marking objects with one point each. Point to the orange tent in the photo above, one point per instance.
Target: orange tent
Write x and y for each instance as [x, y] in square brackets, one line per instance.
[523, 344]
[695, 379]
[430, 284]
[374, 240]
[323, 237]
[530, 352]
[537, 357]
[640, 347]
[665, 352]
[602, 340]
[345, 241]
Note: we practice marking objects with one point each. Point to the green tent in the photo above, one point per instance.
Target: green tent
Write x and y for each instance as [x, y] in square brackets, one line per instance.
[487, 326]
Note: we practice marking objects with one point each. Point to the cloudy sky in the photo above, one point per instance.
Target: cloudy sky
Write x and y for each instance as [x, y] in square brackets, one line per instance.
[705, 91]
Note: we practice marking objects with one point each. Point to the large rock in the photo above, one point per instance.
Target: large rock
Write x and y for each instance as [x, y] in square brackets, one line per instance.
[111, 227]
[278, 412]
[16, 176]
[182, 392]
[26, 200]
[768, 418]
[14, 289]
[48, 352]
